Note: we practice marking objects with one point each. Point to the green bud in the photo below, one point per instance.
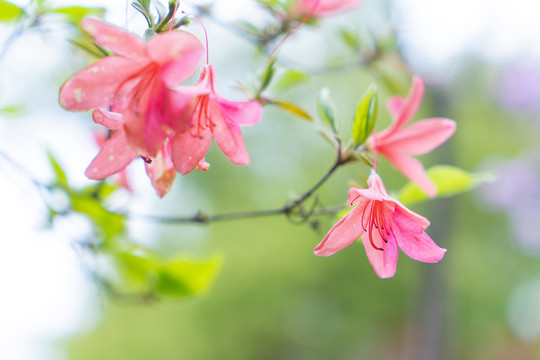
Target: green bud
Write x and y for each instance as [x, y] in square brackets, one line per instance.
[366, 115]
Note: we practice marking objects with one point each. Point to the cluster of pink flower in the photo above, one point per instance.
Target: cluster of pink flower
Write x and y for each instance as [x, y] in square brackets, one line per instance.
[385, 222]
[148, 114]
[136, 96]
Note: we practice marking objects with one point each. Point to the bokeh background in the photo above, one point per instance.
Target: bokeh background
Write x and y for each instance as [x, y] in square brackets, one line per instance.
[273, 299]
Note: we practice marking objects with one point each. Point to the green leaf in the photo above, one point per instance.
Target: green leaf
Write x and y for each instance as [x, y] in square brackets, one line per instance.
[327, 109]
[13, 110]
[107, 224]
[145, 4]
[75, 14]
[350, 38]
[139, 270]
[9, 12]
[60, 176]
[366, 115]
[290, 79]
[180, 277]
[267, 74]
[293, 108]
[449, 181]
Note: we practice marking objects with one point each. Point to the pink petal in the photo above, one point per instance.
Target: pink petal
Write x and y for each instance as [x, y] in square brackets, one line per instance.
[384, 262]
[179, 53]
[228, 136]
[113, 157]
[189, 148]
[97, 85]
[413, 170]
[240, 112]
[111, 120]
[118, 40]
[321, 7]
[394, 105]
[342, 234]
[356, 195]
[161, 170]
[410, 105]
[420, 137]
[180, 104]
[416, 244]
[408, 220]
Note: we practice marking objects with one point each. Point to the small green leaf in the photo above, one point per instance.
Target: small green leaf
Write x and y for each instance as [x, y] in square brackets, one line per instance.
[13, 110]
[107, 224]
[327, 109]
[366, 115]
[75, 14]
[449, 181]
[138, 270]
[9, 12]
[267, 74]
[60, 176]
[351, 39]
[145, 12]
[290, 79]
[180, 277]
[293, 108]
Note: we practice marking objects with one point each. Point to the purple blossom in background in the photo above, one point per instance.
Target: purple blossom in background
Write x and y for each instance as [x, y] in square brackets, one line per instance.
[517, 191]
[519, 88]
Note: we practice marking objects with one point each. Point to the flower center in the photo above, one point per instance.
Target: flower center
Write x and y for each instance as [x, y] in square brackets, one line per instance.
[202, 117]
[135, 86]
[373, 218]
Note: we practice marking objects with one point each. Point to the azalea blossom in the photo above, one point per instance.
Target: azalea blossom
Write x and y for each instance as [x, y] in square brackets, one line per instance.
[398, 143]
[317, 8]
[136, 83]
[214, 117]
[116, 154]
[384, 225]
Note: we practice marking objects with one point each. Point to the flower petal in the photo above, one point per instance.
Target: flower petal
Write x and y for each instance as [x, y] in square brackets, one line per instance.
[228, 136]
[408, 220]
[161, 170]
[417, 245]
[97, 85]
[394, 105]
[189, 149]
[421, 137]
[118, 40]
[383, 261]
[342, 234]
[410, 105]
[113, 157]
[111, 120]
[179, 53]
[412, 169]
[240, 112]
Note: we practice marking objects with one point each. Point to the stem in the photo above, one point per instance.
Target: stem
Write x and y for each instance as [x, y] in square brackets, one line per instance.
[11, 39]
[287, 209]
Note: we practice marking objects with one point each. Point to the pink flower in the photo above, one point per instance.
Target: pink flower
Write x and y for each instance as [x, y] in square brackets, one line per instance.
[399, 142]
[384, 224]
[135, 81]
[317, 8]
[115, 155]
[215, 117]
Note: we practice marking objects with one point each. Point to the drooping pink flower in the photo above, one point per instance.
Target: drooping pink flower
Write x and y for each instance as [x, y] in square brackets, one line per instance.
[398, 143]
[317, 8]
[116, 154]
[384, 224]
[215, 117]
[135, 82]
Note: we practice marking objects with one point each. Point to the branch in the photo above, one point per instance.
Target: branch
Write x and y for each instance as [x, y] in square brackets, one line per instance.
[289, 209]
